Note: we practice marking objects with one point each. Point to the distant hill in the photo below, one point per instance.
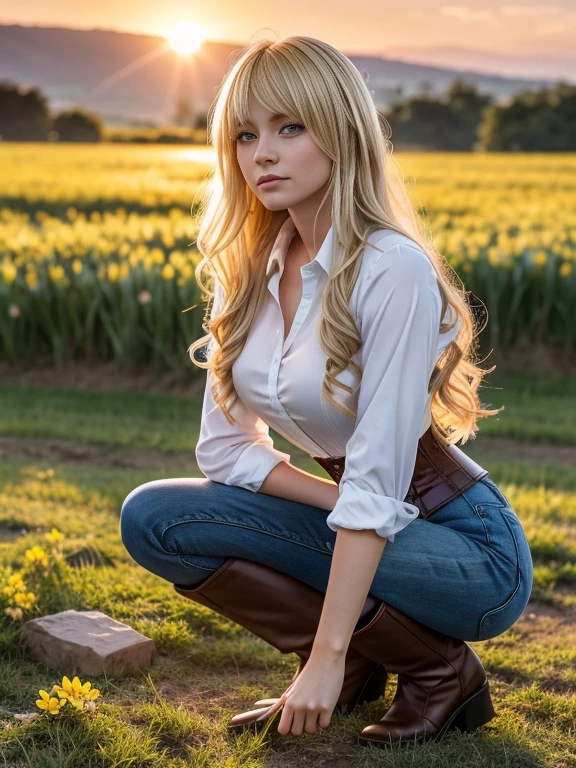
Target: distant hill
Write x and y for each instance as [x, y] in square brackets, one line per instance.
[133, 79]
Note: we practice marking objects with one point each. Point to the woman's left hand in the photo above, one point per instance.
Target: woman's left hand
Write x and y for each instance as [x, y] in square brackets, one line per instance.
[311, 698]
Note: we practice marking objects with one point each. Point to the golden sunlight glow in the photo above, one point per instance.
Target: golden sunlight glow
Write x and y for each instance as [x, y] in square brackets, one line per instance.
[186, 37]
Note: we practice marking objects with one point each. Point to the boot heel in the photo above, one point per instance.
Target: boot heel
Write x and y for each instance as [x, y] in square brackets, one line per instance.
[476, 711]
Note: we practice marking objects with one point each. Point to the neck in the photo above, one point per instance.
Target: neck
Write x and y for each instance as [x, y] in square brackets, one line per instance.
[304, 242]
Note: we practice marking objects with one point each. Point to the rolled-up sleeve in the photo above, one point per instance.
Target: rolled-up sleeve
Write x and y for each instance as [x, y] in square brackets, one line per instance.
[240, 454]
[400, 307]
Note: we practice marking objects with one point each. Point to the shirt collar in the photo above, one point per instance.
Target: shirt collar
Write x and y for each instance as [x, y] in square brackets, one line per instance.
[283, 239]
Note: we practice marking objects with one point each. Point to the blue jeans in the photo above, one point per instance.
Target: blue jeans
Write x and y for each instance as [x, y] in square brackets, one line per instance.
[466, 571]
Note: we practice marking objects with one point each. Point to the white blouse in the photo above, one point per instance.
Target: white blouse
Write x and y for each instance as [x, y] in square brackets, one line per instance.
[396, 302]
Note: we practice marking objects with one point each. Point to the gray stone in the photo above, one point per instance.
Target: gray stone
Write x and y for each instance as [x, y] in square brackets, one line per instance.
[86, 643]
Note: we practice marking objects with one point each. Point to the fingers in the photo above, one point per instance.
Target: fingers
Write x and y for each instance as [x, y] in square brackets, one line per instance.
[311, 724]
[295, 722]
[273, 708]
[298, 719]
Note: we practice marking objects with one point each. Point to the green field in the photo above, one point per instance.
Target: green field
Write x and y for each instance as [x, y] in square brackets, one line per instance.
[174, 713]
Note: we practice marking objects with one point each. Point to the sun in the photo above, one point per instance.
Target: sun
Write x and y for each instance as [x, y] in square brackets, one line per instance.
[186, 37]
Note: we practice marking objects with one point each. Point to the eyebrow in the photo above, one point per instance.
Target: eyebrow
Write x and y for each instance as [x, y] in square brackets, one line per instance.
[271, 119]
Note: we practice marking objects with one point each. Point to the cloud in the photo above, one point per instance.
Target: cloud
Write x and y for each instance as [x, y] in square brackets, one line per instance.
[470, 15]
[532, 10]
[505, 13]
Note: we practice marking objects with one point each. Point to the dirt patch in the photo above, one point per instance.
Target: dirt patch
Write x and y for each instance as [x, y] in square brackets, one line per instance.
[508, 448]
[72, 451]
[536, 611]
[75, 452]
[97, 377]
[147, 379]
[531, 358]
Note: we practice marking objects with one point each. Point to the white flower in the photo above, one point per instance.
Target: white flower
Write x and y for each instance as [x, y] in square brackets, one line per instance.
[14, 310]
[144, 297]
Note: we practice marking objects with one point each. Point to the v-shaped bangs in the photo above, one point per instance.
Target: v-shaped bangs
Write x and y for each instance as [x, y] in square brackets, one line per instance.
[271, 83]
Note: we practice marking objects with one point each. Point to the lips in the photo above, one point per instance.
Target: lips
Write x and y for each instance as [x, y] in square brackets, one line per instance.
[272, 178]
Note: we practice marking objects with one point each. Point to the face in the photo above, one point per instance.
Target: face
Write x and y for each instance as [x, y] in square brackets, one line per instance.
[282, 146]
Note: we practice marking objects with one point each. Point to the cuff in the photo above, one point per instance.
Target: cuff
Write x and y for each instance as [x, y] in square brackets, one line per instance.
[254, 465]
[361, 510]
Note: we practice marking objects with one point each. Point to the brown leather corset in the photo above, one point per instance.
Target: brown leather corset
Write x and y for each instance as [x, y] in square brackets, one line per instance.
[441, 473]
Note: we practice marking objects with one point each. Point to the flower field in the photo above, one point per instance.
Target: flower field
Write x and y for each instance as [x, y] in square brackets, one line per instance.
[97, 246]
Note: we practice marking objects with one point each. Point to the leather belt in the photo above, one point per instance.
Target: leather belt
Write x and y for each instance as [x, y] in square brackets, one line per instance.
[441, 473]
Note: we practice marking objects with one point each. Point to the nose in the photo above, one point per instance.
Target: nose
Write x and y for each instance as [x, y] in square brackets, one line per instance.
[264, 152]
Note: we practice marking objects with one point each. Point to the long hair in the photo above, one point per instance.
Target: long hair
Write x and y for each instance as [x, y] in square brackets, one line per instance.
[312, 81]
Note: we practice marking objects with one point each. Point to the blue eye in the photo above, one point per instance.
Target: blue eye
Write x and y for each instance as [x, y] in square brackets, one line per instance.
[288, 125]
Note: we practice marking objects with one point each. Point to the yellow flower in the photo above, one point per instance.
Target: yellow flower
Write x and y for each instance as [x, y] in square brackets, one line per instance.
[76, 692]
[15, 580]
[90, 694]
[54, 535]
[31, 279]
[37, 555]
[71, 687]
[24, 599]
[540, 258]
[50, 704]
[113, 272]
[157, 256]
[56, 273]
[44, 474]
[168, 272]
[9, 273]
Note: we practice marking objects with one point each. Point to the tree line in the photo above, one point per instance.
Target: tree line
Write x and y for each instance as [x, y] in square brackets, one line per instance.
[461, 119]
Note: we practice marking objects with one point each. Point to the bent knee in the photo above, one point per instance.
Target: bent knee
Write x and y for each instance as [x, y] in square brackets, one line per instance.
[139, 510]
[147, 508]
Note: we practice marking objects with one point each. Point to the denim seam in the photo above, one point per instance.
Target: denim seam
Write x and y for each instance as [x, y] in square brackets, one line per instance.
[486, 536]
[497, 492]
[466, 499]
[478, 509]
[236, 525]
[193, 565]
[499, 608]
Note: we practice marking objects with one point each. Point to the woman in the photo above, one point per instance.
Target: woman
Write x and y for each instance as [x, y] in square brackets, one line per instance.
[324, 279]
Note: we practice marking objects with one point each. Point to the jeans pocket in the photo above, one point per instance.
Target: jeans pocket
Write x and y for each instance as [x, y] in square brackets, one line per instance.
[500, 618]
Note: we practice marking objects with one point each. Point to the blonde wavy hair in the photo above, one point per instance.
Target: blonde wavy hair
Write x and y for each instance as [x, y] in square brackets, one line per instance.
[310, 80]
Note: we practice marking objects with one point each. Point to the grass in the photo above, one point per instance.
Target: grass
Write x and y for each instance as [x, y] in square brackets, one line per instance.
[536, 408]
[174, 713]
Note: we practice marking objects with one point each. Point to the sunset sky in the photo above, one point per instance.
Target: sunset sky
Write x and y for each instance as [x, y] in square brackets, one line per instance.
[527, 39]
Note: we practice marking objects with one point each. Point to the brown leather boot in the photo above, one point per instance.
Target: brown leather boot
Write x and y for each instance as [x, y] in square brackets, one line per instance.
[442, 684]
[284, 612]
